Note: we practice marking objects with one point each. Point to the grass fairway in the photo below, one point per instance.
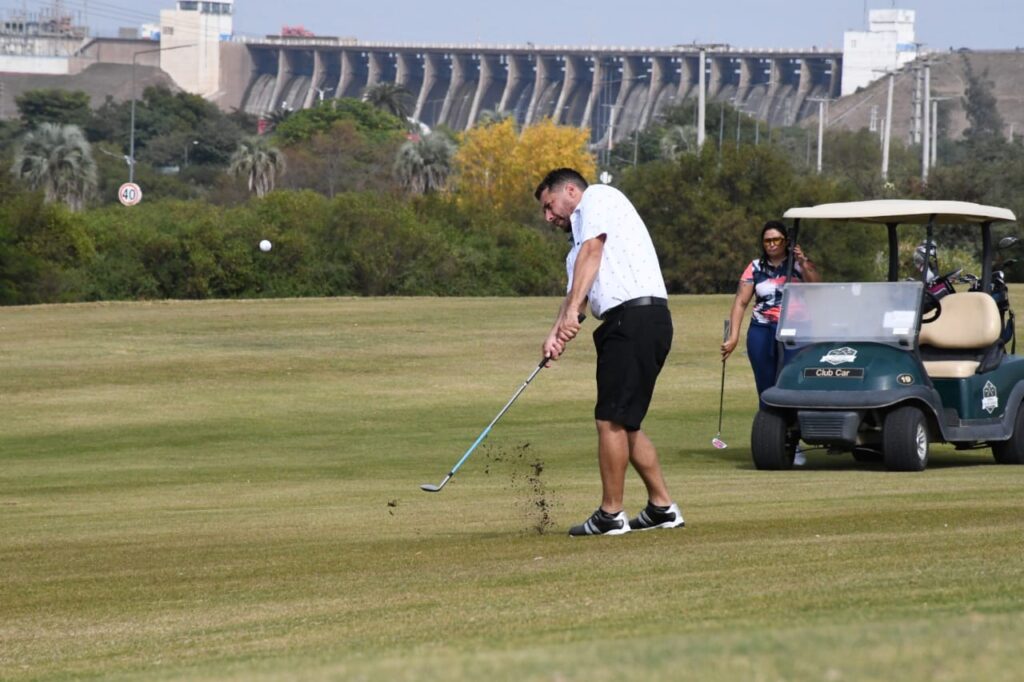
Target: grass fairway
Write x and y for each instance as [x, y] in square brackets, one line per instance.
[230, 490]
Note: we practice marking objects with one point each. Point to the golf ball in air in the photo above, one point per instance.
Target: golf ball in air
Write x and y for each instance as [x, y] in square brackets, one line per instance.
[265, 245]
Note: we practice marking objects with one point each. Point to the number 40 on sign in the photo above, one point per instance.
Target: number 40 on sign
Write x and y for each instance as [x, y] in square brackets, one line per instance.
[129, 193]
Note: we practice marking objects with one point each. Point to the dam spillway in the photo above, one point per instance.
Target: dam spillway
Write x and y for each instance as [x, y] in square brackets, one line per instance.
[611, 90]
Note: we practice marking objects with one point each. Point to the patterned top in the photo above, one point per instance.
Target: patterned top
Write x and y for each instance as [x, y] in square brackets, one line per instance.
[629, 264]
[768, 283]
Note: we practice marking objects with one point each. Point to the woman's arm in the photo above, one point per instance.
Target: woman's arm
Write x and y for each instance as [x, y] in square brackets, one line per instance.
[739, 305]
[809, 271]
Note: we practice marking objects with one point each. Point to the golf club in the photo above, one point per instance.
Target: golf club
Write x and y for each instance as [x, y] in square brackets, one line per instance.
[717, 440]
[429, 487]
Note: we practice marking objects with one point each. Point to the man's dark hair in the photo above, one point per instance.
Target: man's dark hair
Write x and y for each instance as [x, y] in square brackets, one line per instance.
[559, 177]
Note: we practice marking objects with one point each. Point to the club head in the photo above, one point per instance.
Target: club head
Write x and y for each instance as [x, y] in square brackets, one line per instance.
[719, 443]
[430, 488]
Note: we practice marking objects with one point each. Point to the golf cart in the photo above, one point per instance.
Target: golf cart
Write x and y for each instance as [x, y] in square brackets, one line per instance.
[881, 369]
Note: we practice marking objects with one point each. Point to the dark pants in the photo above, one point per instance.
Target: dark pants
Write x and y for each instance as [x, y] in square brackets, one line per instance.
[632, 345]
[763, 351]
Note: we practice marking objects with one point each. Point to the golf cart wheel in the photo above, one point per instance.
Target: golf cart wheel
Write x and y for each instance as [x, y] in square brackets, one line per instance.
[772, 443]
[1011, 451]
[905, 439]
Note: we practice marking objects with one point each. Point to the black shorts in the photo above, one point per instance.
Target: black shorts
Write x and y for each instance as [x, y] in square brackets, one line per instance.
[632, 345]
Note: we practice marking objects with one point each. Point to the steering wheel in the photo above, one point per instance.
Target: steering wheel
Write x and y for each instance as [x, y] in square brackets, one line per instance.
[932, 305]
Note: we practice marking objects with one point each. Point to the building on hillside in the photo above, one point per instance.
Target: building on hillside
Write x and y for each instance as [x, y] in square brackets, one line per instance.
[40, 41]
[200, 27]
[887, 45]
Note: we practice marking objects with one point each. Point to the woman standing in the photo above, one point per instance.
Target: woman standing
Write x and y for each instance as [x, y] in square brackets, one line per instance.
[764, 278]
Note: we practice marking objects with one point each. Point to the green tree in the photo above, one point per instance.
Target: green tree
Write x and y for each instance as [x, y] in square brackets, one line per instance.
[374, 124]
[259, 163]
[705, 215]
[980, 105]
[40, 245]
[57, 159]
[62, 107]
[424, 163]
[341, 159]
[490, 116]
[390, 97]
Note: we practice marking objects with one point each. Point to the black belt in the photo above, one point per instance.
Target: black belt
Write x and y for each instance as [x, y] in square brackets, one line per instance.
[635, 303]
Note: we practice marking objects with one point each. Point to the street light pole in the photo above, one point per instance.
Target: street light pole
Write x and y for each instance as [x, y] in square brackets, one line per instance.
[131, 142]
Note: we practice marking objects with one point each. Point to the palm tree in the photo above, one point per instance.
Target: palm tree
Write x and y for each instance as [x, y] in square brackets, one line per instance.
[259, 163]
[390, 97]
[58, 160]
[424, 163]
[678, 140]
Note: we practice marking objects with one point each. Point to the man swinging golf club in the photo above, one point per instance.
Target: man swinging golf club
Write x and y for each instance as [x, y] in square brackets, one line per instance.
[612, 263]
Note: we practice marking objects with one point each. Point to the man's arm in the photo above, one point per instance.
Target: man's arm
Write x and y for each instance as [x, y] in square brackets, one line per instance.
[567, 325]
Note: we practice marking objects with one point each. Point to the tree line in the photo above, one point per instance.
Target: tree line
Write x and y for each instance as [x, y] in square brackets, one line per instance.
[359, 200]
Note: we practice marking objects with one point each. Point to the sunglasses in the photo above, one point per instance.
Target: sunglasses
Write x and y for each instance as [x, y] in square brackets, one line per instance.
[773, 241]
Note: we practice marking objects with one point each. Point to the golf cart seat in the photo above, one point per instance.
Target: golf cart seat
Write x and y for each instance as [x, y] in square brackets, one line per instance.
[965, 339]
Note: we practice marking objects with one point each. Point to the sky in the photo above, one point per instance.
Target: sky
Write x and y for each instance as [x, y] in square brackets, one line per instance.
[941, 24]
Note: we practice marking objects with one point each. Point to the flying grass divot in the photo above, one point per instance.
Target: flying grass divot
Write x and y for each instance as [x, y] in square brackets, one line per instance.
[532, 497]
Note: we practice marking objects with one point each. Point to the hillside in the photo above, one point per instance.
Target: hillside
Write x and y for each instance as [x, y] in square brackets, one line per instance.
[1003, 69]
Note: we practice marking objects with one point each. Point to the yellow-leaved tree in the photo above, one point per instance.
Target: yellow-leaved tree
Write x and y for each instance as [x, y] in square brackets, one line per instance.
[498, 168]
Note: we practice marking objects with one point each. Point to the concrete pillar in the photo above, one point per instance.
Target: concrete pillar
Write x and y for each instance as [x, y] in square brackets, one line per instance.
[569, 85]
[688, 77]
[835, 83]
[487, 69]
[630, 71]
[374, 70]
[511, 80]
[540, 78]
[314, 83]
[775, 74]
[803, 89]
[284, 72]
[595, 91]
[747, 67]
[455, 83]
[661, 67]
[718, 70]
[429, 80]
[347, 73]
[402, 69]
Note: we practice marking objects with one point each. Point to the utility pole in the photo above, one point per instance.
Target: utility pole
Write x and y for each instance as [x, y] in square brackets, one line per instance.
[822, 113]
[915, 126]
[926, 155]
[887, 129]
[935, 128]
[701, 103]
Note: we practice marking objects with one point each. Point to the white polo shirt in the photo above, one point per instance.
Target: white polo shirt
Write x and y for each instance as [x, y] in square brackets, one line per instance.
[629, 265]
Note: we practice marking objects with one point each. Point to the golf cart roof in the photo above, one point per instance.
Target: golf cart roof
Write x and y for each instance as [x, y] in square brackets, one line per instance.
[916, 211]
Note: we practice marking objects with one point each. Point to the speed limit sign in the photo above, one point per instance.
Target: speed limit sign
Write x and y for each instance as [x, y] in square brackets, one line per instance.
[129, 193]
